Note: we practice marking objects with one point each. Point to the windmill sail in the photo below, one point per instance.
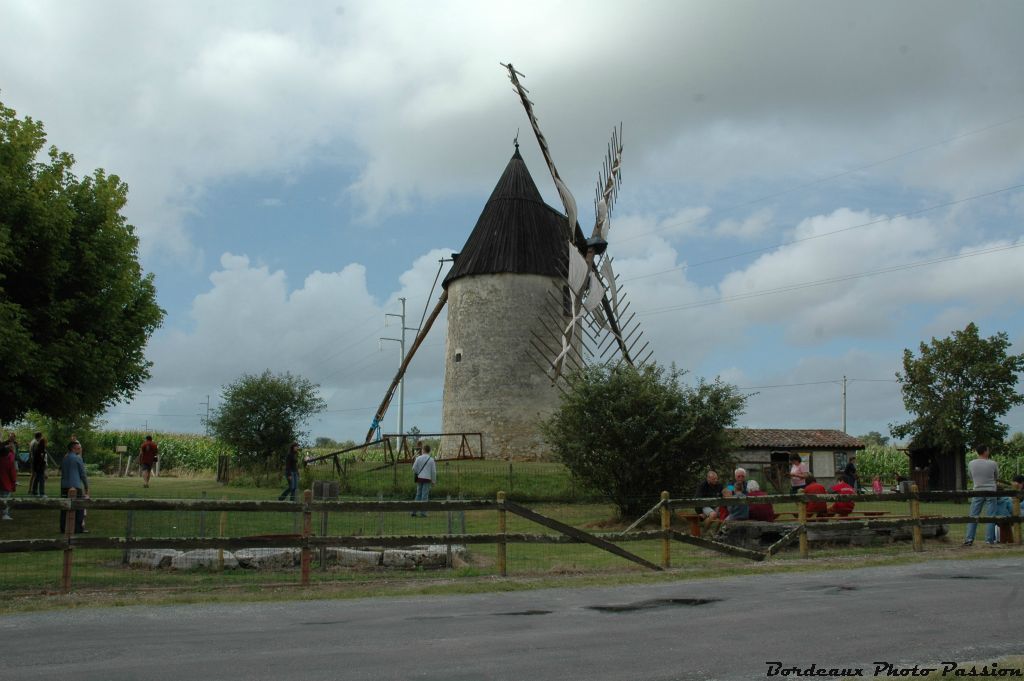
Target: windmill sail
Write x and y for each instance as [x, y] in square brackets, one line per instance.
[594, 302]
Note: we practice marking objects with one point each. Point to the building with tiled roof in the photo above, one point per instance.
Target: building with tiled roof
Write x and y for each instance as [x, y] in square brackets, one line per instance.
[765, 453]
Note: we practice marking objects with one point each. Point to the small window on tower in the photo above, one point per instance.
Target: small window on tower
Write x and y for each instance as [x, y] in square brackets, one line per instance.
[458, 354]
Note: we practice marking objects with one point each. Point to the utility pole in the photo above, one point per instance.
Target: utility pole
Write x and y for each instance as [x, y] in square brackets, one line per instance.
[205, 419]
[401, 344]
[844, 404]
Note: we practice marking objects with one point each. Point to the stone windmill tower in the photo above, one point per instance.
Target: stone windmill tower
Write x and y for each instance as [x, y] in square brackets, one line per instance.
[512, 267]
[530, 298]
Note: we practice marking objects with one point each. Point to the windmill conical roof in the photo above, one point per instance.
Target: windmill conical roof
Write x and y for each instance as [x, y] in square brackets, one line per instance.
[516, 231]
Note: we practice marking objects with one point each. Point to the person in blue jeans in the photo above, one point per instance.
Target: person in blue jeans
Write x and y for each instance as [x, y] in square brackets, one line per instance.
[424, 472]
[984, 473]
[291, 473]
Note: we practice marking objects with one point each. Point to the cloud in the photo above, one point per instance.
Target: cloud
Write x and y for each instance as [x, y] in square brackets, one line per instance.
[327, 329]
[179, 97]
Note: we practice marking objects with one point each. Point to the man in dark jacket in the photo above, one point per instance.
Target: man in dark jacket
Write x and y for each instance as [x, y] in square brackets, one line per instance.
[711, 487]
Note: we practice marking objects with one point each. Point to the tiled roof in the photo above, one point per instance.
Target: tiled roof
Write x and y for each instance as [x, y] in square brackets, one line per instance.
[793, 438]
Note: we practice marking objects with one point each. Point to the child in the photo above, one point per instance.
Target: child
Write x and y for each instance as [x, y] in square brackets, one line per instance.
[876, 485]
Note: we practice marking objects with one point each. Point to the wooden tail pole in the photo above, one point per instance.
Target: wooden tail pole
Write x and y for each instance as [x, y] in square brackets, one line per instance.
[502, 529]
[915, 514]
[666, 526]
[383, 408]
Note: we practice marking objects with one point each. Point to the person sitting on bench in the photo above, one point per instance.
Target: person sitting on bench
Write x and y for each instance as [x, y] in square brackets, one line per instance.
[763, 512]
[842, 508]
[737, 489]
[711, 487]
[815, 508]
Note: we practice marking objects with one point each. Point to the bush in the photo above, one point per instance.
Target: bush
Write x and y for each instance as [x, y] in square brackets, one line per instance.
[630, 433]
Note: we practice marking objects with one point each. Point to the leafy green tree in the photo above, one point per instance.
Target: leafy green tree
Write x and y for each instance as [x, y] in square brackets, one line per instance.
[630, 433]
[325, 442]
[76, 309]
[874, 438]
[260, 416]
[958, 389]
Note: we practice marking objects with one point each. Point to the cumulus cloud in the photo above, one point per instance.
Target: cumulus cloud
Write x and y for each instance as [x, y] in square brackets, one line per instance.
[180, 96]
[326, 329]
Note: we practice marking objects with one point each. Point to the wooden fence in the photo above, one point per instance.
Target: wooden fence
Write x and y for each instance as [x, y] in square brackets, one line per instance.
[914, 520]
[307, 542]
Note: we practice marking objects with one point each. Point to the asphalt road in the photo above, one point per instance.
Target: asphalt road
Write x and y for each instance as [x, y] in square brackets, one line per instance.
[714, 629]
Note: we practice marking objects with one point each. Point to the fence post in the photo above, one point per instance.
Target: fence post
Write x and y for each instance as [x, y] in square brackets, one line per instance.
[666, 526]
[69, 528]
[802, 519]
[307, 530]
[221, 529]
[915, 514]
[1016, 526]
[129, 523]
[510, 488]
[202, 518]
[448, 543]
[502, 528]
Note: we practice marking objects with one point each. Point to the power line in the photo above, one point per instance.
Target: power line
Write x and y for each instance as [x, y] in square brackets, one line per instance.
[828, 178]
[834, 381]
[752, 251]
[831, 280]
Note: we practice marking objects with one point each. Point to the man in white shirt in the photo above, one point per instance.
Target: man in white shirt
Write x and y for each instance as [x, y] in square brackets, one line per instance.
[984, 473]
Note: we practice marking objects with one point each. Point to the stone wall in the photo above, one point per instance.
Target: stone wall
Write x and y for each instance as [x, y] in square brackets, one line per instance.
[492, 383]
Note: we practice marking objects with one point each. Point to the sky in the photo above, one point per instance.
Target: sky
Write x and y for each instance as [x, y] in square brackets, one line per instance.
[809, 187]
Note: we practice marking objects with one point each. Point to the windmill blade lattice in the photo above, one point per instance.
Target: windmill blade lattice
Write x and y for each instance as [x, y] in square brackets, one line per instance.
[584, 323]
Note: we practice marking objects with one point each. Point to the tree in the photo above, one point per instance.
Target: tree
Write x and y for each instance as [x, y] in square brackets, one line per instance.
[631, 433]
[76, 309]
[958, 389]
[260, 416]
[874, 438]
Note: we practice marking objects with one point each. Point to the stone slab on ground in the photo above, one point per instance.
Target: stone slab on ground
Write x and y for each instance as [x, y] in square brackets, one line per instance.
[268, 558]
[757, 535]
[203, 559]
[152, 559]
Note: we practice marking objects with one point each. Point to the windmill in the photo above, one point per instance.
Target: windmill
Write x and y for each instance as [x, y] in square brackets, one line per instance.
[530, 299]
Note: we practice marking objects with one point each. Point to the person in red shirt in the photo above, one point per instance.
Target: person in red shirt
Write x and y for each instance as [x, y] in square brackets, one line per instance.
[147, 458]
[842, 508]
[815, 508]
[8, 476]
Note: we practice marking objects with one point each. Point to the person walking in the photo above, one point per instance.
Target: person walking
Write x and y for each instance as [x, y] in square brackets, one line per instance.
[148, 454]
[984, 473]
[424, 473]
[37, 486]
[291, 472]
[73, 476]
[8, 477]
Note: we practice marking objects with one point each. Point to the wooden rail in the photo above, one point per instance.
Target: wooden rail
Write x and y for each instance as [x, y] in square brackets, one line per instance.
[305, 540]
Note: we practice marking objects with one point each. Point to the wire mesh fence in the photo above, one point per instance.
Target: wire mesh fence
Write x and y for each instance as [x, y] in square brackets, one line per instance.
[203, 543]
